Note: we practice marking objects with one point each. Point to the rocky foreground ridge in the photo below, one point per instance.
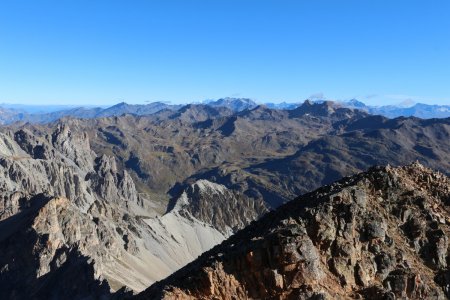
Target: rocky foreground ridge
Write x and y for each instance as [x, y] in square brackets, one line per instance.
[382, 234]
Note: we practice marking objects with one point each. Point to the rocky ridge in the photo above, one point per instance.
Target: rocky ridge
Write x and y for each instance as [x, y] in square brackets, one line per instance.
[382, 234]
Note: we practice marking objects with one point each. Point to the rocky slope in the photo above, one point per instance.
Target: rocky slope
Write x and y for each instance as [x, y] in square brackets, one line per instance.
[358, 145]
[71, 218]
[382, 234]
[64, 209]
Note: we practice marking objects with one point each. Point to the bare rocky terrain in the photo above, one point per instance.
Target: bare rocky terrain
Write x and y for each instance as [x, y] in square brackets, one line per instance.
[71, 218]
[382, 234]
[105, 207]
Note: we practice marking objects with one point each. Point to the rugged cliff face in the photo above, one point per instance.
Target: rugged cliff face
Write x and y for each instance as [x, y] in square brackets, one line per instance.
[70, 218]
[379, 234]
[63, 211]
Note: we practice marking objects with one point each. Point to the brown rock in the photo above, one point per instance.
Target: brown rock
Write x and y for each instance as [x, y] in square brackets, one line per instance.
[332, 243]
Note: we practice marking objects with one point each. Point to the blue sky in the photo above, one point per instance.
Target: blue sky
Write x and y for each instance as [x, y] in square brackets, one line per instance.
[103, 52]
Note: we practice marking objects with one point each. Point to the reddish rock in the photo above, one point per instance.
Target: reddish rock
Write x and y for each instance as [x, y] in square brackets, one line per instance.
[368, 236]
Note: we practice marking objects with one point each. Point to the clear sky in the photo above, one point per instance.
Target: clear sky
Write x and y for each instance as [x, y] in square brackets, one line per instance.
[103, 52]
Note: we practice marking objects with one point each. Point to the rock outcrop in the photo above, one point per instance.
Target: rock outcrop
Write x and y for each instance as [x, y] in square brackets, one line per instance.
[382, 234]
[225, 209]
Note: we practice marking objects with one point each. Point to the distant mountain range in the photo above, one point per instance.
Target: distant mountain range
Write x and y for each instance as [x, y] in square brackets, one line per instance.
[10, 113]
[420, 110]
